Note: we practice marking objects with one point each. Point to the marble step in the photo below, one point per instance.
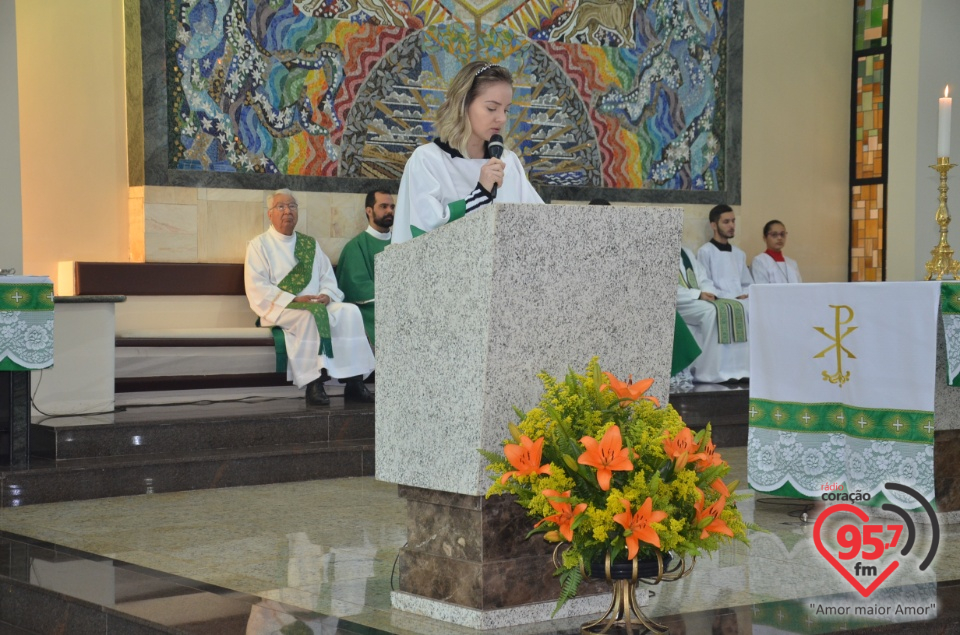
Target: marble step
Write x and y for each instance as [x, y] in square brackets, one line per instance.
[140, 434]
[50, 481]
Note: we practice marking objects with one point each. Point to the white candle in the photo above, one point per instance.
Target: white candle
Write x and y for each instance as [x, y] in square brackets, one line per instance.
[943, 136]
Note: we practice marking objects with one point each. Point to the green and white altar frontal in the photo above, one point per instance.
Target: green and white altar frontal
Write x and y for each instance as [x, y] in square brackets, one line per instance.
[842, 388]
[26, 323]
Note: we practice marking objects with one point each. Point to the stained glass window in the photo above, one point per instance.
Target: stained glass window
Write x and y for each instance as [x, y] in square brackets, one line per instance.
[868, 164]
[872, 26]
[868, 150]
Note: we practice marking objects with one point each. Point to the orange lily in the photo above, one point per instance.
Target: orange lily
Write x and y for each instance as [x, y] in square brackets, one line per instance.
[638, 527]
[716, 526]
[525, 457]
[710, 457]
[564, 519]
[629, 391]
[607, 457]
[720, 488]
[681, 448]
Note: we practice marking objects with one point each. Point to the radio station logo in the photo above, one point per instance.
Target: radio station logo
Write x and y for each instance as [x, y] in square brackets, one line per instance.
[865, 552]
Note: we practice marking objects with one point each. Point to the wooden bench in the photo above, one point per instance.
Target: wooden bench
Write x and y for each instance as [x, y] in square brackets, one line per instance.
[183, 326]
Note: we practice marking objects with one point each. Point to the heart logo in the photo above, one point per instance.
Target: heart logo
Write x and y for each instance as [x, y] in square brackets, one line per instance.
[829, 557]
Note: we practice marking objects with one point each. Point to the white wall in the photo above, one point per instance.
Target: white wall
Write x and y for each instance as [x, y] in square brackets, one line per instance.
[902, 143]
[11, 227]
[925, 50]
[796, 131]
[72, 132]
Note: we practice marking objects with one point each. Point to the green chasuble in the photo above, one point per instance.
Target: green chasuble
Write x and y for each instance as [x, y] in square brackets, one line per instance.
[355, 276]
[685, 347]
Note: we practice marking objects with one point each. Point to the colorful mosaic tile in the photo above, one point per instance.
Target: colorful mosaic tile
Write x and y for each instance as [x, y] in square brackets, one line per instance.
[872, 27]
[611, 94]
[867, 233]
[868, 150]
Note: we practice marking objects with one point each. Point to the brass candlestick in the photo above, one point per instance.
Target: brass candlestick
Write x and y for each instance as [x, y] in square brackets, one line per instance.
[942, 262]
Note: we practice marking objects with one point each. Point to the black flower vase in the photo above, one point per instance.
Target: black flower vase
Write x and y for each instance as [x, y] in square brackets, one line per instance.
[624, 612]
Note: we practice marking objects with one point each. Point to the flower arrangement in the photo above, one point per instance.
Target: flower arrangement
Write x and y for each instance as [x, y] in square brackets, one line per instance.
[601, 467]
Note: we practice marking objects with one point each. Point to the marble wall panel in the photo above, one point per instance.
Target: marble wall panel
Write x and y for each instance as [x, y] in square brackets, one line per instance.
[225, 227]
[172, 195]
[170, 232]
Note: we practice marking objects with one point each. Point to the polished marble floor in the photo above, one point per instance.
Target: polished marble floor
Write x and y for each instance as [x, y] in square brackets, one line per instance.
[329, 547]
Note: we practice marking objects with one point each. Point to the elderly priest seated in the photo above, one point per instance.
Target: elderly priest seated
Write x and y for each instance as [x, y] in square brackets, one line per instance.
[290, 284]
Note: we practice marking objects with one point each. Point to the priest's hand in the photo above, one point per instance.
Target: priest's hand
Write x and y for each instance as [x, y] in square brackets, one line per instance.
[492, 172]
[743, 297]
[707, 296]
[323, 298]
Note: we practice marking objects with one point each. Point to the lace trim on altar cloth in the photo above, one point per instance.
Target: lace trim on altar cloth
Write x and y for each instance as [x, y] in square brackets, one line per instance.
[26, 338]
[810, 461]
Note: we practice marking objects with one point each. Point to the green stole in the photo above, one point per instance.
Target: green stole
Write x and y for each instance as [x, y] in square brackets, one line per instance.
[294, 282]
[731, 320]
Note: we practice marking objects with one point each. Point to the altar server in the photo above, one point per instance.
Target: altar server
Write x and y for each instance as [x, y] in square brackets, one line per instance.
[725, 353]
[724, 263]
[772, 266]
[290, 284]
[457, 174]
[355, 267]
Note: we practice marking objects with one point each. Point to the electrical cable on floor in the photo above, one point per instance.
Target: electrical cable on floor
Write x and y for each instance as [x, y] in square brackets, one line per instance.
[802, 506]
[394, 570]
[33, 402]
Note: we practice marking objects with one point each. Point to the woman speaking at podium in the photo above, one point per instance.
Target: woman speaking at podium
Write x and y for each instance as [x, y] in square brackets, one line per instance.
[466, 166]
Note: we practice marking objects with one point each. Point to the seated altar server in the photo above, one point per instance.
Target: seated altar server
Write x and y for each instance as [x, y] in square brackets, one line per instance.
[724, 263]
[290, 284]
[772, 266]
[460, 172]
[719, 325]
[355, 267]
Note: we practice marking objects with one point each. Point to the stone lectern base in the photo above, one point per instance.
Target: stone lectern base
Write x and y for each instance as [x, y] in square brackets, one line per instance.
[466, 561]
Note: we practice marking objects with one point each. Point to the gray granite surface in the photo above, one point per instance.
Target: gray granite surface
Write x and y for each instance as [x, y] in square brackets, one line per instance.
[470, 313]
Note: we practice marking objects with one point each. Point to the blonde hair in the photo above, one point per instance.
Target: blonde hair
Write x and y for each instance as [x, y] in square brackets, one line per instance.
[451, 123]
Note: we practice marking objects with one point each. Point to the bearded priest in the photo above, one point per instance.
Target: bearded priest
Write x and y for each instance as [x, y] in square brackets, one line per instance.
[290, 284]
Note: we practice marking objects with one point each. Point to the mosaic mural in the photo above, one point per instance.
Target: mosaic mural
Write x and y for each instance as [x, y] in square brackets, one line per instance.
[868, 169]
[607, 93]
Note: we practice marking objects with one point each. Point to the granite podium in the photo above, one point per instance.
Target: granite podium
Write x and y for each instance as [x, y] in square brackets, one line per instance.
[467, 315]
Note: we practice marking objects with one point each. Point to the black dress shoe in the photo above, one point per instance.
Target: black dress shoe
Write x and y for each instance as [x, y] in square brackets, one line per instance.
[355, 390]
[316, 395]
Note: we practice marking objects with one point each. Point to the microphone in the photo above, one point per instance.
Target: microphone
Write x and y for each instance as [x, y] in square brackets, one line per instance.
[495, 149]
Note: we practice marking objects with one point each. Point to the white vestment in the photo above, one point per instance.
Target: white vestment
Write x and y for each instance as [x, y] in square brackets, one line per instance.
[439, 185]
[717, 362]
[766, 270]
[270, 257]
[727, 269]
